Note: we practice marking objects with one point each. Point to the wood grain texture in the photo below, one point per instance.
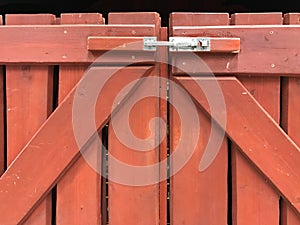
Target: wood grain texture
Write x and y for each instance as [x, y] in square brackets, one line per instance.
[135, 202]
[256, 18]
[198, 19]
[225, 45]
[254, 200]
[29, 19]
[127, 203]
[289, 120]
[135, 18]
[81, 18]
[78, 192]
[64, 43]
[263, 50]
[110, 43]
[259, 137]
[25, 184]
[29, 103]
[163, 114]
[2, 109]
[197, 197]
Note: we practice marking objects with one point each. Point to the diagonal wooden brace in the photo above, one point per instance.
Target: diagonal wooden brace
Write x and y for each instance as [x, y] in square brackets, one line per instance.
[53, 149]
[259, 137]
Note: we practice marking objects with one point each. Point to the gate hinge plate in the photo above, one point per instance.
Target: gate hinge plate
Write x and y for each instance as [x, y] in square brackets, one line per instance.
[198, 44]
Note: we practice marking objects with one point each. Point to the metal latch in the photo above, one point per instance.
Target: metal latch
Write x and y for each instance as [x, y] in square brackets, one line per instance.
[179, 43]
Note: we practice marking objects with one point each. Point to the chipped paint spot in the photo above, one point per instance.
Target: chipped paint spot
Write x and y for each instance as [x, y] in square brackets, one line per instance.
[227, 65]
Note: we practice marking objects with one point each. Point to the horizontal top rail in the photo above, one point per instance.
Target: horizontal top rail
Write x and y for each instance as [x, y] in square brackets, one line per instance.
[265, 49]
[64, 43]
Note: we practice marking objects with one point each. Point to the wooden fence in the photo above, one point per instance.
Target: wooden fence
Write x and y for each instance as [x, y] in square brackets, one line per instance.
[46, 178]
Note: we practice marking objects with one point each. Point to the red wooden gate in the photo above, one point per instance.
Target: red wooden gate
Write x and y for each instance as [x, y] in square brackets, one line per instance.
[51, 176]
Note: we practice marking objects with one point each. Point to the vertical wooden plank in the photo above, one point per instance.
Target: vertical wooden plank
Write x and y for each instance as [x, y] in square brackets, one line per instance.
[29, 103]
[290, 120]
[2, 133]
[163, 54]
[254, 201]
[135, 18]
[78, 192]
[131, 204]
[198, 197]
[256, 18]
[128, 203]
[198, 19]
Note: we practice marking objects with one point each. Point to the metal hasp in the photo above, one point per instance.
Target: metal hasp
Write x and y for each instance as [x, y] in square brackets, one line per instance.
[196, 44]
[201, 44]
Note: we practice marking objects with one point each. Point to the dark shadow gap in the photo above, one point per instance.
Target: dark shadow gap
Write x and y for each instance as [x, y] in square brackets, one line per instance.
[54, 201]
[280, 207]
[55, 87]
[168, 152]
[283, 122]
[55, 91]
[104, 178]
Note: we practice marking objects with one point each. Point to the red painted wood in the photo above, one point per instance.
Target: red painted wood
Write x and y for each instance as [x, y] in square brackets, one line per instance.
[198, 19]
[29, 19]
[225, 45]
[29, 103]
[292, 18]
[25, 183]
[78, 192]
[254, 200]
[256, 18]
[128, 203]
[121, 43]
[135, 204]
[198, 197]
[290, 120]
[55, 43]
[163, 194]
[218, 45]
[2, 137]
[264, 50]
[135, 18]
[81, 18]
[259, 137]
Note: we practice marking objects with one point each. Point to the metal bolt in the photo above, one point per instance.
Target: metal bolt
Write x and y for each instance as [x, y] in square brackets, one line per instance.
[184, 63]
[271, 32]
[272, 65]
[64, 56]
[65, 32]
